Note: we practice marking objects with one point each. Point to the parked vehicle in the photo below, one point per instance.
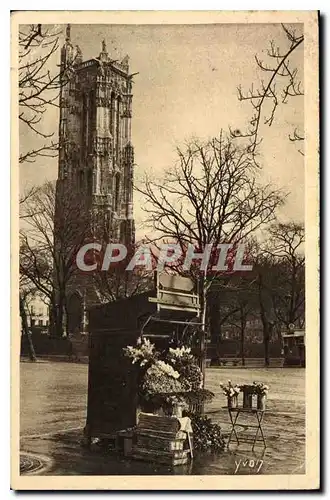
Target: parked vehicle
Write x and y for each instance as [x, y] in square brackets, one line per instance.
[294, 347]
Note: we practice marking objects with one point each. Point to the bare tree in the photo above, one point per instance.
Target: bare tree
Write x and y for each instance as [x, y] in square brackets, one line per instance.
[244, 306]
[50, 242]
[212, 195]
[282, 82]
[26, 289]
[263, 271]
[222, 306]
[279, 275]
[274, 290]
[239, 320]
[285, 247]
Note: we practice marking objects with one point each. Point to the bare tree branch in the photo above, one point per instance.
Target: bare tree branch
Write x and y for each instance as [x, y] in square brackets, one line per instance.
[39, 87]
[282, 83]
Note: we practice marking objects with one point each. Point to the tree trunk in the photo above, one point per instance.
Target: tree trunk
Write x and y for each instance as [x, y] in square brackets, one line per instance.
[203, 333]
[265, 324]
[59, 320]
[32, 354]
[266, 344]
[242, 335]
[265, 335]
[214, 311]
[203, 305]
[52, 318]
[59, 315]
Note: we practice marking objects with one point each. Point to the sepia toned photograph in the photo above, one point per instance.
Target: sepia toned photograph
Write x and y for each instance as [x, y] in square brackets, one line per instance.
[165, 250]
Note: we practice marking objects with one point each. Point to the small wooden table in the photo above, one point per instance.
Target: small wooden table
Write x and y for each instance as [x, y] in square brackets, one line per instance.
[234, 414]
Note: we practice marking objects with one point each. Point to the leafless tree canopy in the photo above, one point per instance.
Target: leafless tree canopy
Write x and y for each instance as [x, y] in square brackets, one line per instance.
[50, 242]
[285, 248]
[286, 240]
[59, 240]
[211, 195]
[116, 283]
[282, 81]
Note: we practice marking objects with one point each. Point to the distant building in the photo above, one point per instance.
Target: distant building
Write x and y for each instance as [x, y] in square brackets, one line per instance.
[37, 312]
[253, 331]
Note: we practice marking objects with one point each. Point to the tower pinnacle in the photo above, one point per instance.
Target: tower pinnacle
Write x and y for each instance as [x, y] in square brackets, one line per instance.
[104, 54]
[68, 33]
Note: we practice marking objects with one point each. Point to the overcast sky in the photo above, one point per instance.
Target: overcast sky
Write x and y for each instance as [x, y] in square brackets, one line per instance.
[187, 86]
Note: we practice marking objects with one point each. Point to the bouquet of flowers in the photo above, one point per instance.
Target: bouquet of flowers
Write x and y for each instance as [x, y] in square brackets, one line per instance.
[143, 353]
[160, 378]
[167, 378]
[184, 362]
[230, 390]
[260, 388]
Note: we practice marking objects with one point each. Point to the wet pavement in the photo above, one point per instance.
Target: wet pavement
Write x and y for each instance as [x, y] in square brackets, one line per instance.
[53, 411]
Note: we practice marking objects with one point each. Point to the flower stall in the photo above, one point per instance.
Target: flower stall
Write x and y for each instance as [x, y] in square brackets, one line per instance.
[170, 385]
[112, 378]
[145, 360]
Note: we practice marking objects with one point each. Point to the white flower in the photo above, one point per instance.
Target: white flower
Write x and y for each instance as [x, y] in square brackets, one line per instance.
[168, 369]
[179, 352]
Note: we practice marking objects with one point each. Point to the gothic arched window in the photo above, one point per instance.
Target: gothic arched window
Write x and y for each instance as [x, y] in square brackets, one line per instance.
[118, 126]
[117, 191]
[81, 180]
[90, 182]
[84, 124]
[112, 114]
[91, 119]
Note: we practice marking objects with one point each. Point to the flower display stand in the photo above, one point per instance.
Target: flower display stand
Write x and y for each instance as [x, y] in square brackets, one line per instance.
[165, 440]
[234, 414]
[251, 392]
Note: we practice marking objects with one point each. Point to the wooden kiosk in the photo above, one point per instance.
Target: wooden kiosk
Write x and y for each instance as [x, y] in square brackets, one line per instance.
[162, 315]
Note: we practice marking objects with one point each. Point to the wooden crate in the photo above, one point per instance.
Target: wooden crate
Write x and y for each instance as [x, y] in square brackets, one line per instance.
[153, 442]
[160, 440]
[161, 457]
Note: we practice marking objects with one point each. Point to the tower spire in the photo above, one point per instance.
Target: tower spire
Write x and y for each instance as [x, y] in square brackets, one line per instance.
[68, 33]
[104, 54]
[67, 49]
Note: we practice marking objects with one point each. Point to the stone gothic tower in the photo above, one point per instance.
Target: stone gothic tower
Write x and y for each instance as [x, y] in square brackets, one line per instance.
[94, 188]
[95, 154]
